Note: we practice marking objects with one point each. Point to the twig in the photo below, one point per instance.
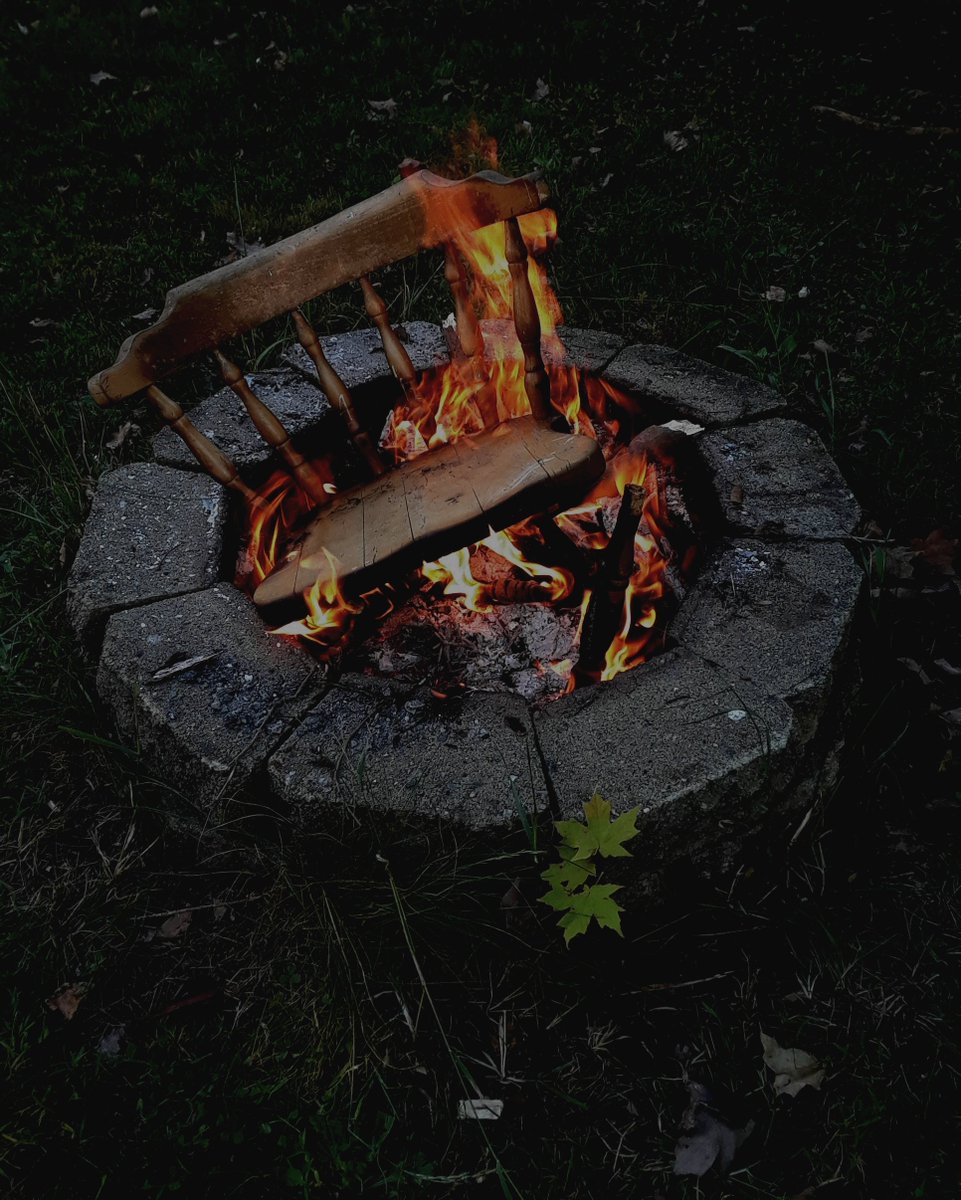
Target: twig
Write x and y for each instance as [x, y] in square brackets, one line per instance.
[887, 126]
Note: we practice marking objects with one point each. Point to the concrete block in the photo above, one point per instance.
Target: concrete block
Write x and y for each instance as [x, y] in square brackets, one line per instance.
[152, 532]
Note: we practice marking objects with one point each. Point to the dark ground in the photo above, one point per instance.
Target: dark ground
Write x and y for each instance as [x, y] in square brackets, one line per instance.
[311, 1030]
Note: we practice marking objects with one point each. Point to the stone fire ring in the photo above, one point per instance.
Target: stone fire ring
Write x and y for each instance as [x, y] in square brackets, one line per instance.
[736, 724]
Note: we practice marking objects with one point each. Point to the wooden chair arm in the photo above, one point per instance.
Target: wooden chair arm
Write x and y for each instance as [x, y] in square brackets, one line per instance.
[421, 211]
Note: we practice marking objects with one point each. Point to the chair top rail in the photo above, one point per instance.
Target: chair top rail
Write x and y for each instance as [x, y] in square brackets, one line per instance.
[422, 211]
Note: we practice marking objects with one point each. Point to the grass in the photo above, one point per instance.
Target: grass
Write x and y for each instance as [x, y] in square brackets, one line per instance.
[312, 1029]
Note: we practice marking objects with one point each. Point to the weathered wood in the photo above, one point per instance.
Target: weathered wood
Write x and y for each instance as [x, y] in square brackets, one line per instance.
[527, 323]
[272, 430]
[397, 357]
[421, 211]
[210, 456]
[336, 392]
[435, 504]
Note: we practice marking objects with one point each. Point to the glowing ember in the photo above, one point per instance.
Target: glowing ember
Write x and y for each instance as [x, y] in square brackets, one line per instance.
[515, 566]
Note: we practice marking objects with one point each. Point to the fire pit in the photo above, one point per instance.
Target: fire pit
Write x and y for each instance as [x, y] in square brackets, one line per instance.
[674, 637]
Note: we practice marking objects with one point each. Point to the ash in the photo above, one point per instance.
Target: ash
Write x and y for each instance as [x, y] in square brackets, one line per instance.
[438, 642]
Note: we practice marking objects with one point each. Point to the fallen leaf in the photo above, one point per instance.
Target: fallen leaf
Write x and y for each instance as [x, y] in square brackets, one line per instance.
[737, 494]
[184, 665]
[176, 925]
[675, 140]
[148, 314]
[863, 335]
[687, 427]
[523, 127]
[109, 1044]
[98, 77]
[382, 109]
[776, 293]
[67, 1000]
[823, 346]
[541, 91]
[479, 1110]
[937, 550]
[793, 1069]
[708, 1137]
[803, 293]
[150, 11]
[42, 323]
[119, 436]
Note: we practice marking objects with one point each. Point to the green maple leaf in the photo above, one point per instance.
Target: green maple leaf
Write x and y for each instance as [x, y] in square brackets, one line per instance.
[600, 835]
[598, 902]
[568, 874]
[558, 898]
[573, 923]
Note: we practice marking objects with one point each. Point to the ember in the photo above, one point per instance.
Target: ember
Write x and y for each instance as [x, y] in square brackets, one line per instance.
[533, 608]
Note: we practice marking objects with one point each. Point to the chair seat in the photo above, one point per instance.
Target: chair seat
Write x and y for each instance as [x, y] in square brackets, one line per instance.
[437, 503]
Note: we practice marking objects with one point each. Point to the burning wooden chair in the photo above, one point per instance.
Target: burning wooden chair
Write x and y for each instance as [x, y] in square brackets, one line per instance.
[422, 508]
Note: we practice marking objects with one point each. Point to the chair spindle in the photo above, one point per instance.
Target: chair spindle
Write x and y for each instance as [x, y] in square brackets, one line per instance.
[397, 356]
[272, 430]
[469, 336]
[528, 324]
[211, 457]
[336, 391]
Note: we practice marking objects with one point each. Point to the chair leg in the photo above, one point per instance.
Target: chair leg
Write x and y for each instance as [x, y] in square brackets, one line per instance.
[272, 430]
[337, 393]
[211, 457]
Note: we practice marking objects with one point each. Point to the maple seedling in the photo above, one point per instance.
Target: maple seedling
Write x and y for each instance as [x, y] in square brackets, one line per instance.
[572, 892]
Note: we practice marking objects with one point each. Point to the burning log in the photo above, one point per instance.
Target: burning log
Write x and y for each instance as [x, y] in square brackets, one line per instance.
[515, 591]
[606, 606]
[562, 550]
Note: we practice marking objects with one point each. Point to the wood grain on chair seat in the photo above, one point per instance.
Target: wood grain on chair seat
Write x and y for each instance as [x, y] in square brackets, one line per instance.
[436, 504]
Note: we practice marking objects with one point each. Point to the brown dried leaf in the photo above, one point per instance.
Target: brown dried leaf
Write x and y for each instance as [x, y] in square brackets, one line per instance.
[176, 925]
[937, 550]
[737, 494]
[793, 1069]
[67, 1000]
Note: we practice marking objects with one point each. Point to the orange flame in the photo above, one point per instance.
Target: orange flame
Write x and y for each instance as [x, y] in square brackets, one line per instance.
[448, 403]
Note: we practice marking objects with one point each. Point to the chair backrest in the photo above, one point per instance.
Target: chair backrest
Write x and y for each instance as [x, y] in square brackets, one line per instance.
[422, 211]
